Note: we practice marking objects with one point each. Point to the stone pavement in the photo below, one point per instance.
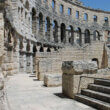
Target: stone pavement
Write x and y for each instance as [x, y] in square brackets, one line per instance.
[27, 93]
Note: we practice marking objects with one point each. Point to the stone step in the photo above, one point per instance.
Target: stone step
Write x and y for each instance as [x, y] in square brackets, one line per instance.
[100, 105]
[97, 95]
[99, 88]
[104, 82]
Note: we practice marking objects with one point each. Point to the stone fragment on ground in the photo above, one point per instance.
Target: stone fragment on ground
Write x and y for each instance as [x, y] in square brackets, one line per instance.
[52, 80]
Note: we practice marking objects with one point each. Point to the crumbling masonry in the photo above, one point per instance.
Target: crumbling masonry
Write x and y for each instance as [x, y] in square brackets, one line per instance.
[36, 36]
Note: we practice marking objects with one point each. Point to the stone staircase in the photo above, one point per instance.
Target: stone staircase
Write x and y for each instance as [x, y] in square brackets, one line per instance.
[96, 95]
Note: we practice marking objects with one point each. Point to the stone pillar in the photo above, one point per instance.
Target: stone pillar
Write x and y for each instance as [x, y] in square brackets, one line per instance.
[83, 38]
[51, 32]
[91, 37]
[16, 56]
[75, 37]
[59, 34]
[24, 57]
[67, 37]
[45, 49]
[31, 58]
[24, 63]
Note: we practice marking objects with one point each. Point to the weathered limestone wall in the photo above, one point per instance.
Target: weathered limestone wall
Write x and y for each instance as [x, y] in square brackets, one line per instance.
[2, 53]
[1, 34]
[50, 63]
[10, 64]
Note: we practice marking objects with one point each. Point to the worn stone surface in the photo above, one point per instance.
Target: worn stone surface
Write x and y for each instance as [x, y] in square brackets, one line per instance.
[52, 80]
[72, 84]
[79, 67]
[29, 48]
[26, 93]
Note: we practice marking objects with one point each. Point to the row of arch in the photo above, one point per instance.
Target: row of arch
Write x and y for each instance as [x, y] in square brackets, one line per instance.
[35, 49]
[64, 31]
[95, 17]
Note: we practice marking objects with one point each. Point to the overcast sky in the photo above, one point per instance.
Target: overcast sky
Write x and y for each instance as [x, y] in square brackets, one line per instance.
[101, 4]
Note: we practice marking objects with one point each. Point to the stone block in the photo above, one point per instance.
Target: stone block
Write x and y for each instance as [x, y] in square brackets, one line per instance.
[52, 80]
[79, 67]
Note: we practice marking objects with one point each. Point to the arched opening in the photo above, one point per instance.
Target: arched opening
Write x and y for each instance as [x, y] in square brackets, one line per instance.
[28, 47]
[27, 5]
[55, 31]
[21, 45]
[47, 28]
[71, 34]
[9, 37]
[95, 18]
[87, 36]
[79, 36]
[48, 49]
[41, 23]
[34, 49]
[63, 33]
[34, 21]
[85, 16]
[96, 35]
[97, 61]
[53, 4]
[41, 49]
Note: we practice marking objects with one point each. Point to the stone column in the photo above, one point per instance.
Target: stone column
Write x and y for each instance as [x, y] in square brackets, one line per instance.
[24, 57]
[75, 37]
[51, 31]
[59, 34]
[83, 38]
[31, 58]
[67, 39]
[91, 37]
[16, 56]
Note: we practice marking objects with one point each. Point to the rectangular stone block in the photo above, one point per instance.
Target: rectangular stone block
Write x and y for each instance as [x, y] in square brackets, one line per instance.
[52, 80]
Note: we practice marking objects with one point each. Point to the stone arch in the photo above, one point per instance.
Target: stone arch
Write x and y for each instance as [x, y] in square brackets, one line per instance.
[55, 31]
[48, 49]
[33, 21]
[87, 36]
[96, 35]
[27, 4]
[28, 47]
[63, 33]
[47, 28]
[21, 45]
[21, 11]
[96, 60]
[71, 34]
[34, 49]
[79, 36]
[40, 23]
[41, 49]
